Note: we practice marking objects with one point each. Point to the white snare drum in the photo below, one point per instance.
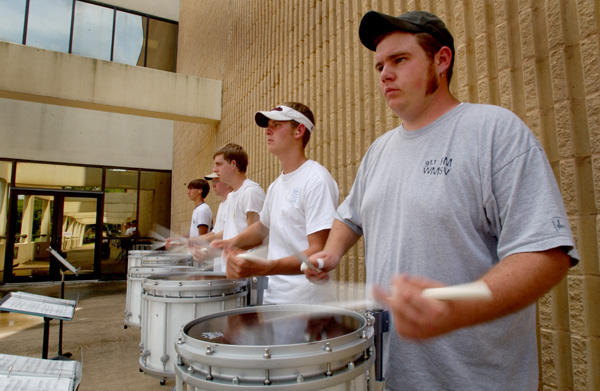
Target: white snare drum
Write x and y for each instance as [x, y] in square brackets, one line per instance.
[134, 257]
[133, 298]
[169, 301]
[166, 258]
[287, 347]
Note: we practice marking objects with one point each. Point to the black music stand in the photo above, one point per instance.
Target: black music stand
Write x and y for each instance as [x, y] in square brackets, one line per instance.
[64, 266]
[47, 307]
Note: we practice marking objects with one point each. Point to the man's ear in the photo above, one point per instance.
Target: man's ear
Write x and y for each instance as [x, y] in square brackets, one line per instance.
[444, 59]
[299, 132]
[233, 163]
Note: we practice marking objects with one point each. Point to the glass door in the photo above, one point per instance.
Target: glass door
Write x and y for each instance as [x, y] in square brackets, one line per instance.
[40, 220]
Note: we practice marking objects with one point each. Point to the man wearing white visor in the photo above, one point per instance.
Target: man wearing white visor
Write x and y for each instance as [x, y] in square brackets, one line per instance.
[297, 214]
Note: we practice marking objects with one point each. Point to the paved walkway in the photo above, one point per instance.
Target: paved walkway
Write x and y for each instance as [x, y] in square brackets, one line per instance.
[110, 352]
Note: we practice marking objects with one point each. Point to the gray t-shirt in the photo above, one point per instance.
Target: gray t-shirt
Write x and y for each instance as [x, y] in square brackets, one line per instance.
[447, 202]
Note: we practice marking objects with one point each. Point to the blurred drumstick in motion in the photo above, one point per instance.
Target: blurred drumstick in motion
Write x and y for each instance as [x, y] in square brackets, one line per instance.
[257, 254]
[161, 235]
[477, 290]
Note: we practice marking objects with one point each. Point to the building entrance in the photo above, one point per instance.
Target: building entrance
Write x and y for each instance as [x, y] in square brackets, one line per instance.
[70, 222]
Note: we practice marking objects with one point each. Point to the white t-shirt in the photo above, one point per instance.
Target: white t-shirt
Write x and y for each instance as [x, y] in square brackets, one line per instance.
[218, 227]
[202, 215]
[298, 204]
[248, 198]
[220, 219]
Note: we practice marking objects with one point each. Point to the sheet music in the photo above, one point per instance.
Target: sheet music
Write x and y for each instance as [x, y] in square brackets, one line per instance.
[30, 384]
[11, 365]
[28, 303]
[18, 373]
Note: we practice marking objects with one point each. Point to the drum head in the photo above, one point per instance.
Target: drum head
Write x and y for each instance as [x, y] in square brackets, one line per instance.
[268, 326]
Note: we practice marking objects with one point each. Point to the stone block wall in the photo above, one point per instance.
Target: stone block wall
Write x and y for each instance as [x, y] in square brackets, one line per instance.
[536, 58]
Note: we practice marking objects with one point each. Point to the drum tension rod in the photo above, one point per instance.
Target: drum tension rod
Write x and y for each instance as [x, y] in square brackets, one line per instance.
[328, 350]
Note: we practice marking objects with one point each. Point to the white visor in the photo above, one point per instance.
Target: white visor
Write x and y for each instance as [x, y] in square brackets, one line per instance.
[282, 113]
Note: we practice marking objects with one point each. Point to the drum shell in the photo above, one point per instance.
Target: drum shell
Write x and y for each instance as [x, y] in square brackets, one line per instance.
[234, 367]
[166, 258]
[168, 303]
[133, 296]
[134, 257]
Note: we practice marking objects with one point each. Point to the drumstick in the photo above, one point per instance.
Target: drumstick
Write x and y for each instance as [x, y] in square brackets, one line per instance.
[477, 290]
[306, 264]
[258, 254]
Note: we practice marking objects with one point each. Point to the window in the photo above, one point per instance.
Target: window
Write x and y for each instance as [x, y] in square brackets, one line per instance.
[92, 31]
[12, 20]
[104, 32]
[49, 24]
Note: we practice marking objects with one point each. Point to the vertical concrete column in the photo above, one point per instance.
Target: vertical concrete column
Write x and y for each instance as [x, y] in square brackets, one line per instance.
[46, 215]
[65, 239]
[3, 208]
[27, 218]
[80, 233]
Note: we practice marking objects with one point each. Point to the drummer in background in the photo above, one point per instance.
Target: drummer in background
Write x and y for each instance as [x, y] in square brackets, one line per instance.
[202, 219]
[459, 192]
[297, 215]
[244, 202]
[221, 189]
[197, 190]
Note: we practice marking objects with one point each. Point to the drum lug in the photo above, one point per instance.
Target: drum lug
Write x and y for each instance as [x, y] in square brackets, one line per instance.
[267, 380]
[235, 380]
[209, 351]
[145, 353]
[328, 350]
[164, 358]
[299, 379]
[267, 354]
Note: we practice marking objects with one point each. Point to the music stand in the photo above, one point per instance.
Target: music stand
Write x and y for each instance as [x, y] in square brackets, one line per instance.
[47, 307]
[64, 266]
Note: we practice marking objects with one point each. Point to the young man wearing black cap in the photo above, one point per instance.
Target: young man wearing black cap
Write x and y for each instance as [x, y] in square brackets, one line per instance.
[459, 192]
[297, 214]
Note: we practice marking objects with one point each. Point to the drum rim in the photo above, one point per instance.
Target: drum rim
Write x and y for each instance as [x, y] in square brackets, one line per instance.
[363, 323]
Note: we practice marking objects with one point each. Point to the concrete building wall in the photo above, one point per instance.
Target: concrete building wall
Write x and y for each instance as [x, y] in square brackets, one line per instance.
[536, 58]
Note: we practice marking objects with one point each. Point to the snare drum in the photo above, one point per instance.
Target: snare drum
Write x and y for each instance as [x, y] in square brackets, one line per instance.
[166, 258]
[134, 257]
[285, 347]
[171, 300]
[133, 298]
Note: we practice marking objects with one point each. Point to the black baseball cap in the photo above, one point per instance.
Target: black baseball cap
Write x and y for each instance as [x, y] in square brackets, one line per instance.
[375, 24]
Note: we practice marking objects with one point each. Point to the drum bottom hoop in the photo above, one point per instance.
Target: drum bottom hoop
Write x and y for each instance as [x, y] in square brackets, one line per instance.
[129, 323]
[338, 381]
[155, 372]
